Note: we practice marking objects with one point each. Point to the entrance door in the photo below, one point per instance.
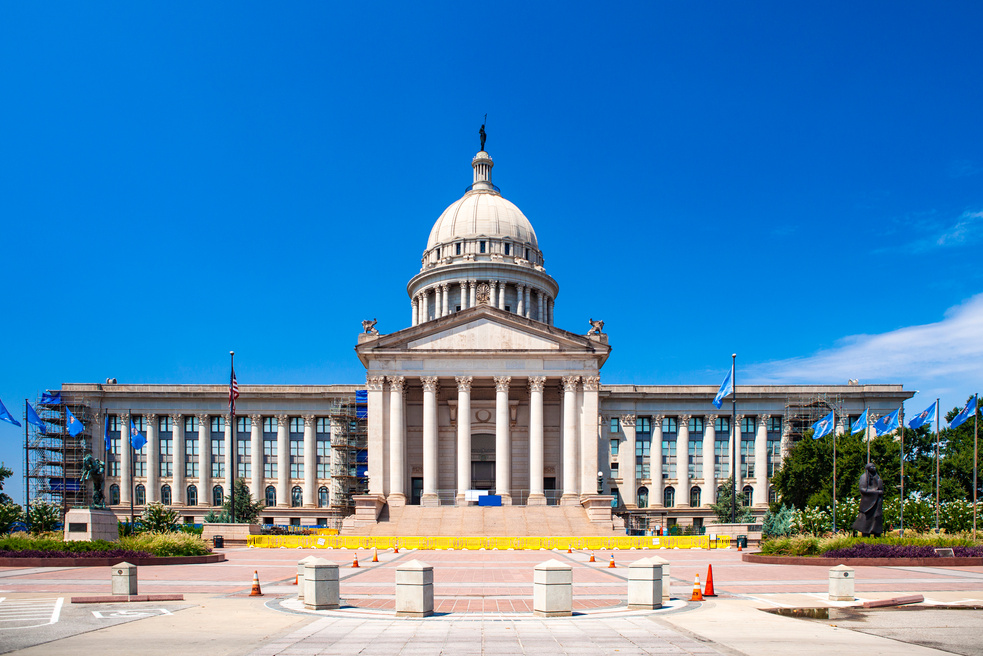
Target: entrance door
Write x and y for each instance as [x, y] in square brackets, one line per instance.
[482, 462]
[416, 492]
[552, 494]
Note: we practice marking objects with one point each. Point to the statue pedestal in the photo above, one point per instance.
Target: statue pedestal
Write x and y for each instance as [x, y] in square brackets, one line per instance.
[91, 524]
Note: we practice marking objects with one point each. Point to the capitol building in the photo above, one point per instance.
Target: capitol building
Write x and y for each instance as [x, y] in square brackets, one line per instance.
[480, 393]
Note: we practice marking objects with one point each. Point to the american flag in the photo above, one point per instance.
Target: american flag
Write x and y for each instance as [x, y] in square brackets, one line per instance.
[233, 392]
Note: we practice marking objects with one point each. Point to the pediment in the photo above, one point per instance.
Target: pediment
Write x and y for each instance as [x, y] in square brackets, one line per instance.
[483, 334]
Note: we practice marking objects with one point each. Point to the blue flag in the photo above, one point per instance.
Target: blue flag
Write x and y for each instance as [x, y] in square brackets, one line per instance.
[74, 425]
[49, 398]
[956, 422]
[32, 418]
[927, 416]
[886, 424]
[136, 439]
[6, 416]
[861, 423]
[109, 439]
[726, 388]
[823, 427]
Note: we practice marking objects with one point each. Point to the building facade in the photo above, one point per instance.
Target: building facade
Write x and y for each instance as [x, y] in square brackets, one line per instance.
[480, 392]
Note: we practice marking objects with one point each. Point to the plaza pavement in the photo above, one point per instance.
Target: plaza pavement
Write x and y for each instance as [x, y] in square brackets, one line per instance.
[482, 600]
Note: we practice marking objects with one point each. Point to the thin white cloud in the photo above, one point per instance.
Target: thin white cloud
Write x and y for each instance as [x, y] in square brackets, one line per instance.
[943, 359]
[966, 229]
[932, 232]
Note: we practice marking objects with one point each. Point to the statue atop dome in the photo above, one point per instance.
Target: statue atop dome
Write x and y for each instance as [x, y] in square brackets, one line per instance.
[481, 133]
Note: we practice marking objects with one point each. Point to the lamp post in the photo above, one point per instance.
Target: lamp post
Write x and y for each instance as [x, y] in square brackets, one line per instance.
[600, 482]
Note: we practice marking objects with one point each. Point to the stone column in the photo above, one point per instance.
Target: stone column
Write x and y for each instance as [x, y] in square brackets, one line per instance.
[503, 446]
[736, 455]
[589, 437]
[397, 441]
[527, 313]
[655, 464]
[282, 461]
[464, 295]
[430, 497]
[571, 489]
[415, 304]
[438, 302]
[463, 436]
[682, 462]
[520, 291]
[256, 481]
[493, 293]
[541, 311]
[376, 439]
[626, 463]
[709, 456]
[760, 494]
[424, 308]
[445, 288]
[153, 459]
[179, 495]
[125, 461]
[204, 460]
[473, 284]
[537, 496]
[501, 296]
[549, 308]
[310, 461]
[231, 457]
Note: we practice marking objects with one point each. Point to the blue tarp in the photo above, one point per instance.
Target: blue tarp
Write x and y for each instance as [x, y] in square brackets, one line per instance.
[362, 471]
[490, 500]
[362, 396]
[64, 484]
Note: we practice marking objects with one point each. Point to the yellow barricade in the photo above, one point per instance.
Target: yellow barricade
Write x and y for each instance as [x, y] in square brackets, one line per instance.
[474, 543]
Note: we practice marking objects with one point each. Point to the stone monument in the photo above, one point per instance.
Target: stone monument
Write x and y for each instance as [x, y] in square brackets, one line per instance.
[870, 520]
[95, 522]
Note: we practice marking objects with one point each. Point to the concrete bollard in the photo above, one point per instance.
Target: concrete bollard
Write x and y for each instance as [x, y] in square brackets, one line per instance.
[414, 589]
[124, 579]
[552, 589]
[301, 573]
[841, 583]
[664, 564]
[644, 585]
[321, 585]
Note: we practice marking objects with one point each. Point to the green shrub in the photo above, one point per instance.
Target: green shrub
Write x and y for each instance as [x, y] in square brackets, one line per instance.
[778, 523]
[158, 518]
[10, 513]
[166, 544]
[810, 545]
[43, 517]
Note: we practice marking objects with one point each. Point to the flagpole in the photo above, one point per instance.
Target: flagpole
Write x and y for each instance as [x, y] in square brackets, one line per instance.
[27, 484]
[232, 475]
[834, 472]
[976, 411]
[133, 469]
[733, 440]
[937, 408]
[901, 431]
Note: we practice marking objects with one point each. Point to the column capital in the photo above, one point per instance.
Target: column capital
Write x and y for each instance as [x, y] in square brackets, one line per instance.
[537, 383]
[463, 383]
[256, 419]
[397, 383]
[151, 417]
[203, 417]
[176, 418]
[444, 286]
[430, 383]
[740, 418]
[657, 420]
[570, 383]
[502, 383]
[125, 417]
[628, 420]
[711, 419]
[763, 420]
[473, 284]
[308, 422]
[684, 419]
[375, 383]
[281, 420]
[591, 383]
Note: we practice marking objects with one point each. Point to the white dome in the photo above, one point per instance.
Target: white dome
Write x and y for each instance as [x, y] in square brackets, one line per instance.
[485, 214]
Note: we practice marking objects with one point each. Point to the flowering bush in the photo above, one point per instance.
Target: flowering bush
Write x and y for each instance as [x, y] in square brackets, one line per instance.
[882, 550]
[122, 554]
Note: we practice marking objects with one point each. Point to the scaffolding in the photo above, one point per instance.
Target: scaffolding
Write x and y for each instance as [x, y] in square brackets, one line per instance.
[54, 457]
[349, 450]
[801, 414]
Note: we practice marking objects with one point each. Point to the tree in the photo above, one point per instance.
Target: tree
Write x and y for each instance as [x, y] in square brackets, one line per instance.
[158, 518]
[10, 514]
[43, 517]
[247, 510]
[5, 473]
[722, 508]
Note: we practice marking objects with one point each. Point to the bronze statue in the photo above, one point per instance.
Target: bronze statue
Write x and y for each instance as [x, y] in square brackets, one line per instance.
[95, 469]
[870, 521]
[481, 133]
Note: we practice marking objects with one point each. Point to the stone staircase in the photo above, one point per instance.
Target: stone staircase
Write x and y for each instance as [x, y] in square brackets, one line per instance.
[511, 521]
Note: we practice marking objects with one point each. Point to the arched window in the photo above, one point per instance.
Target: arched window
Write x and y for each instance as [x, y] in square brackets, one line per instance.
[695, 497]
[192, 495]
[772, 495]
[669, 497]
[322, 497]
[165, 494]
[113, 494]
[643, 497]
[140, 498]
[748, 490]
[296, 497]
[270, 496]
[217, 497]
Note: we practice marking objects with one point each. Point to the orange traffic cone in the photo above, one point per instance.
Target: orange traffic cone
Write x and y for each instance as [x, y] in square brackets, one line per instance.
[709, 591]
[375, 556]
[355, 562]
[396, 549]
[697, 595]
[296, 579]
[569, 550]
[739, 545]
[256, 592]
[592, 558]
[611, 564]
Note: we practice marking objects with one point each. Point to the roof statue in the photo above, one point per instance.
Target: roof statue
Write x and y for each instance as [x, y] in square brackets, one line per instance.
[368, 326]
[481, 133]
[595, 327]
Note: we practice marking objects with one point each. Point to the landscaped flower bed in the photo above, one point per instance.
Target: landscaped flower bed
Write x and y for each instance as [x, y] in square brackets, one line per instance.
[144, 545]
[921, 545]
[867, 550]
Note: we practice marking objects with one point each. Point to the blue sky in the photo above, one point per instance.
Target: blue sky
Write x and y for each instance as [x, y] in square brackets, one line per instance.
[800, 184]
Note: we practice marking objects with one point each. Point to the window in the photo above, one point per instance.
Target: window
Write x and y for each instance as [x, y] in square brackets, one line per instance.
[747, 495]
[669, 425]
[643, 425]
[481, 247]
[669, 447]
[269, 458]
[114, 423]
[165, 456]
[721, 458]
[164, 425]
[297, 425]
[772, 495]
[643, 450]
[774, 445]
[165, 494]
[114, 494]
[643, 497]
[774, 424]
[140, 466]
[508, 247]
[322, 497]
[615, 425]
[192, 495]
[669, 497]
[245, 450]
[722, 425]
[191, 424]
[694, 497]
[457, 250]
[140, 423]
[323, 457]
[747, 425]
[747, 455]
[218, 498]
[296, 497]
[270, 424]
[244, 424]
[695, 458]
[695, 425]
[296, 458]
[614, 448]
[527, 253]
[218, 424]
[218, 457]
[270, 496]
[323, 425]
[140, 498]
